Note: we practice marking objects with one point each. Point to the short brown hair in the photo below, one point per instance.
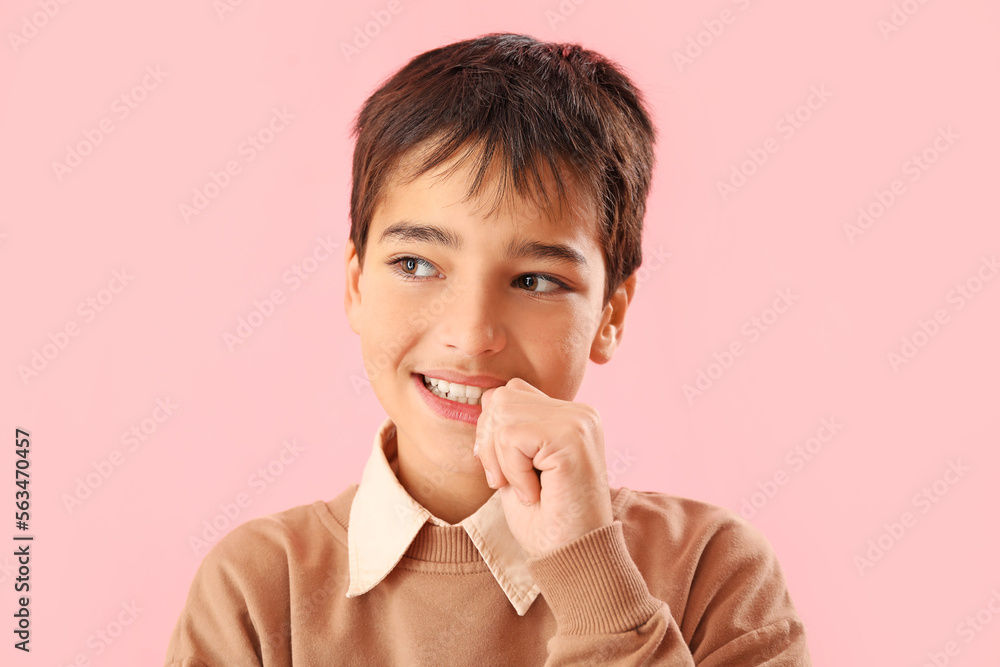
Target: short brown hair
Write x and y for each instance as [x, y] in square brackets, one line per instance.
[537, 107]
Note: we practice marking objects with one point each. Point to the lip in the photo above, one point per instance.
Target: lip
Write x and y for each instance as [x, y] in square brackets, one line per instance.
[461, 412]
[481, 381]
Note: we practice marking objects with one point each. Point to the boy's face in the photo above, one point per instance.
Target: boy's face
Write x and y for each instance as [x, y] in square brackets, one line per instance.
[485, 305]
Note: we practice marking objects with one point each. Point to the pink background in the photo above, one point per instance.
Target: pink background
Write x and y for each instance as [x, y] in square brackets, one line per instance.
[722, 262]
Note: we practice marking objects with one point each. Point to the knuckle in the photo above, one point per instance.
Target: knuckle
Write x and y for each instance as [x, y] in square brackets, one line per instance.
[590, 418]
[517, 383]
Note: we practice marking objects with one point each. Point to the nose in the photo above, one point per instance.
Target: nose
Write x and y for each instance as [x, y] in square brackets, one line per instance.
[473, 322]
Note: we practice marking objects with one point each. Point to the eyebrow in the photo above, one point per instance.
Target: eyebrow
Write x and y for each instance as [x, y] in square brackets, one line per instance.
[410, 232]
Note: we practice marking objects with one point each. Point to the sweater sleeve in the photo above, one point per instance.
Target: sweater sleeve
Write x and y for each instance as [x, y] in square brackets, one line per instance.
[740, 612]
[232, 614]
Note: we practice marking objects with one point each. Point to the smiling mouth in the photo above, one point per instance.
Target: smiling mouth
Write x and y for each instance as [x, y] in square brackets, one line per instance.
[452, 391]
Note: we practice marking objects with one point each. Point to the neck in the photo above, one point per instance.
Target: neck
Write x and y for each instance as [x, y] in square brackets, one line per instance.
[450, 490]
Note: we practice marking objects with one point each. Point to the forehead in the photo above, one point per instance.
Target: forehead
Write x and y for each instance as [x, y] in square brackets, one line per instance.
[445, 196]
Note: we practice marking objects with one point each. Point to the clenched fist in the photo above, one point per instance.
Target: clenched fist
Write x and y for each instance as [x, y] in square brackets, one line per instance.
[546, 457]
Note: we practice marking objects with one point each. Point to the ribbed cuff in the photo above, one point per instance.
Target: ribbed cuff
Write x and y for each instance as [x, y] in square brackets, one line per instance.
[593, 586]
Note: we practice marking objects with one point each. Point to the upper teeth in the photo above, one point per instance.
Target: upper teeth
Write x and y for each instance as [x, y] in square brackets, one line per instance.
[454, 391]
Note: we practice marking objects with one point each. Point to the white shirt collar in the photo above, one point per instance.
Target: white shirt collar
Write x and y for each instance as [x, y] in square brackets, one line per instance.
[385, 518]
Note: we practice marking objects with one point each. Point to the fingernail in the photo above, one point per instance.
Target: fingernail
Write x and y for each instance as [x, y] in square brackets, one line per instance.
[475, 448]
[521, 497]
[489, 478]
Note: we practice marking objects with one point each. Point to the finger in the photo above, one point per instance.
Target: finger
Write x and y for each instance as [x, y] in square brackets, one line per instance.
[515, 453]
[519, 384]
[485, 447]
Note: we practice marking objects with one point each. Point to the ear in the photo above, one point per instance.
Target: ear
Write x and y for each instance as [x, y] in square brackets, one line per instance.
[609, 334]
[352, 287]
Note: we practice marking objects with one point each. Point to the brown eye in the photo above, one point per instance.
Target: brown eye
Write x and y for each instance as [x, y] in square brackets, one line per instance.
[532, 280]
[407, 266]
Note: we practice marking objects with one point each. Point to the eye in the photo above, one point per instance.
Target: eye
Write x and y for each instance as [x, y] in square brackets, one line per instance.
[531, 280]
[406, 267]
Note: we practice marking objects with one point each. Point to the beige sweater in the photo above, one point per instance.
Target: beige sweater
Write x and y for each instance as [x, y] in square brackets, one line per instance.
[671, 582]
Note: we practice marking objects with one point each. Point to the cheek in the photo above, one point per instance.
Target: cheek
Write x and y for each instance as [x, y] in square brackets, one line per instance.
[562, 355]
[574, 338]
[387, 308]
[388, 331]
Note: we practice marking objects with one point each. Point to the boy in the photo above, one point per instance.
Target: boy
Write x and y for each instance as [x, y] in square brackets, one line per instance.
[499, 187]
